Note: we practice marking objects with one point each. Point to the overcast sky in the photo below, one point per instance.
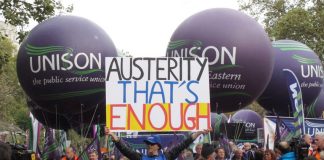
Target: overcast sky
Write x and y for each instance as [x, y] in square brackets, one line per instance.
[143, 27]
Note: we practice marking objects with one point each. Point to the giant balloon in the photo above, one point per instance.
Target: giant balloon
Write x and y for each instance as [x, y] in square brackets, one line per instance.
[238, 50]
[48, 119]
[217, 120]
[316, 109]
[60, 64]
[307, 67]
[251, 120]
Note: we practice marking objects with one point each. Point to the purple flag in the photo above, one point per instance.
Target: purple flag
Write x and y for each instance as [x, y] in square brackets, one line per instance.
[93, 146]
[50, 148]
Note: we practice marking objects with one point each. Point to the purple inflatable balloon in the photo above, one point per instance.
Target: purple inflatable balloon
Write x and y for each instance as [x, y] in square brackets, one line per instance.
[217, 120]
[214, 118]
[61, 63]
[252, 121]
[308, 69]
[239, 53]
[316, 110]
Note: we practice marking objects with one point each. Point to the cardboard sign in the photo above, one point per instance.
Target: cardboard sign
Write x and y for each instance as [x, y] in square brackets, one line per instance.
[157, 94]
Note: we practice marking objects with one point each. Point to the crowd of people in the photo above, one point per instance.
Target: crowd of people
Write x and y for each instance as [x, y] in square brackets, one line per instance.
[305, 148]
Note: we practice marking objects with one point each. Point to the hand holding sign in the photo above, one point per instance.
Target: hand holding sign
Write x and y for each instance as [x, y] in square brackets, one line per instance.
[111, 134]
[198, 133]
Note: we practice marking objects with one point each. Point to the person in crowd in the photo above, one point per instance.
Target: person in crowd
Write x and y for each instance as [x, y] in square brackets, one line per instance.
[70, 154]
[187, 154]
[93, 155]
[319, 140]
[269, 155]
[198, 149]
[5, 151]
[314, 150]
[258, 154]
[220, 153]
[232, 147]
[285, 150]
[154, 147]
[208, 152]
[248, 154]
[238, 154]
[246, 146]
[307, 139]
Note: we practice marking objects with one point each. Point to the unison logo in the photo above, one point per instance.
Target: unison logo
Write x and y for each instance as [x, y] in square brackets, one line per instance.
[194, 48]
[57, 58]
[310, 67]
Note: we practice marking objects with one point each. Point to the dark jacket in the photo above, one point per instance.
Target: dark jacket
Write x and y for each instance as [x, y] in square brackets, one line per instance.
[169, 155]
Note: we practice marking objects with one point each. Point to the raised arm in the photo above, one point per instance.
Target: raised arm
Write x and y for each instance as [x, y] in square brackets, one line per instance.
[175, 151]
[122, 147]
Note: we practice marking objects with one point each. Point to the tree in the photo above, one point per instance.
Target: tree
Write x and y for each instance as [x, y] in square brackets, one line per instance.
[12, 98]
[7, 49]
[300, 20]
[20, 13]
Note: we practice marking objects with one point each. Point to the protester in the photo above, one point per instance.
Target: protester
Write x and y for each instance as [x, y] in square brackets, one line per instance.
[5, 151]
[220, 153]
[248, 154]
[307, 139]
[285, 150]
[187, 154]
[246, 146]
[198, 149]
[319, 140]
[314, 151]
[208, 152]
[153, 147]
[70, 154]
[258, 154]
[238, 154]
[269, 155]
[93, 155]
[232, 147]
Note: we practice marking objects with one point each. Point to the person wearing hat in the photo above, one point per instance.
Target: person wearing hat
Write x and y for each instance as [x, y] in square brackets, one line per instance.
[153, 144]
